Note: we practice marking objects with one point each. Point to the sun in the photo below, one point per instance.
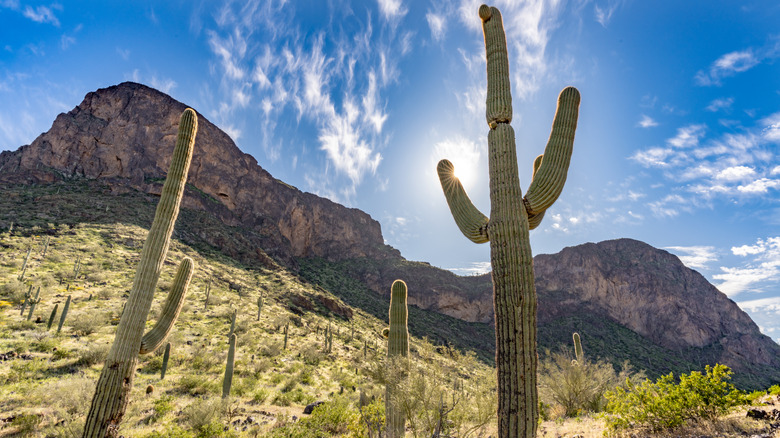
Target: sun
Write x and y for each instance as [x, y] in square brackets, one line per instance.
[465, 157]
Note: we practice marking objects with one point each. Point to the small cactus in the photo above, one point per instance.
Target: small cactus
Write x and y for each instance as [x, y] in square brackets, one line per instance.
[228, 381]
[26, 301]
[52, 316]
[45, 247]
[286, 329]
[166, 356]
[34, 303]
[259, 306]
[232, 324]
[24, 265]
[208, 292]
[77, 267]
[580, 357]
[64, 314]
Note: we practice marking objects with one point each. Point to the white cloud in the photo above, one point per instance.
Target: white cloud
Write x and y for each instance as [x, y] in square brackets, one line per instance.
[727, 65]
[476, 268]
[653, 157]
[647, 122]
[42, 14]
[392, 9]
[771, 304]
[759, 186]
[603, 14]
[438, 25]
[695, 256]
[719, 104]
[687, 136]
[736, 173]
[763, 265]
[771, 130]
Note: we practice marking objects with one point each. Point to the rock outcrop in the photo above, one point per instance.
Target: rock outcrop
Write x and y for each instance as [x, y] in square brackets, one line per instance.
[122, 135]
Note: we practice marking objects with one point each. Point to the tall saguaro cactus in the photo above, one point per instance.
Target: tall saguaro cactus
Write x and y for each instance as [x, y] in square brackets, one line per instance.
[397, 348]
[116, 380]
[511, 217]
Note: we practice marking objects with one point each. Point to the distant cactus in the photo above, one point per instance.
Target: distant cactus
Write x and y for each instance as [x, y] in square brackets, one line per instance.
[512, 215]
[580, 357]
[76, 267]
[259, 306]
[286, 329]
[45, 247]
[116, 379]
[208, 292]
[330, 341]
[64, 314]
[397, 347]
[26, 300]
[34, 303]
[232, 323]
[24, 265]
[166, 356]
[228, 381]
[52, 316]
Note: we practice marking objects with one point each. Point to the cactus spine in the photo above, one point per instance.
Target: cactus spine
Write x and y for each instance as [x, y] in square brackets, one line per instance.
[166, 356]
[397, 348]
[511, 218]
[116, 379]
[578, 354]
[52, 316]
[64, 314]
[228, 381]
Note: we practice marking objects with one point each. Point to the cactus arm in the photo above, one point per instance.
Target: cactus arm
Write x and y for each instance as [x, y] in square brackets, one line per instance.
[112, 391]
[549, 180]
[499, 99]
[471, 222]
[535, 219]
[159, 333]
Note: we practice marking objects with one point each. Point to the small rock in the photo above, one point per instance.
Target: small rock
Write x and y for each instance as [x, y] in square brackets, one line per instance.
[310, 408]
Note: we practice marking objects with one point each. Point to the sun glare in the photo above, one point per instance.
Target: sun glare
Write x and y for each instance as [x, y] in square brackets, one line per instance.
[464, 155]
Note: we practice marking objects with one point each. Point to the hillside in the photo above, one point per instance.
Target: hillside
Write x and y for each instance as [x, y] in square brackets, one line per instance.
[629, 301]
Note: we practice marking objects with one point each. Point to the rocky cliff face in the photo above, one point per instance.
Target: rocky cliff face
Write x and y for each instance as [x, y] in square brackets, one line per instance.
[651, 292]
[124, 135]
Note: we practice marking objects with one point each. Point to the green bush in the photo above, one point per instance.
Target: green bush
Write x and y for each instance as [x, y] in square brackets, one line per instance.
[331, 418]
[667, 404]
[774, 390]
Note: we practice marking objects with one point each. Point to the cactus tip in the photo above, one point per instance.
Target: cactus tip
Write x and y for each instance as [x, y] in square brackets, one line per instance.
[570, 93]
[485, 13]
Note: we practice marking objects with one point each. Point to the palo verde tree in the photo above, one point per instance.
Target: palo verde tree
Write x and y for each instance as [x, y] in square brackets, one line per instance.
[116, 380]
[512, 215]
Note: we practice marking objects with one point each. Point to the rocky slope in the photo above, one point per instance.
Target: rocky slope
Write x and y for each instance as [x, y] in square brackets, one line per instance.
[122, 136]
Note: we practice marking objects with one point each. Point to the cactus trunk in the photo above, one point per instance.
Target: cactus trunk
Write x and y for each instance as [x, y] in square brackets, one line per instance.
[166, 356]
[64, 314]
[116, 379]
[228, 381]
[52, 316]
[34, 303]
[397, 350]
[511, 217]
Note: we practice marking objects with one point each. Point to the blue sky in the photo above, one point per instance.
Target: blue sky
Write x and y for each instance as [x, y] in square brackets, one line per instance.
[357, 100]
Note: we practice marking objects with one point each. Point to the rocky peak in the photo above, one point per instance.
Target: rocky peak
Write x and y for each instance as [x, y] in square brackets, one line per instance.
[124, 135]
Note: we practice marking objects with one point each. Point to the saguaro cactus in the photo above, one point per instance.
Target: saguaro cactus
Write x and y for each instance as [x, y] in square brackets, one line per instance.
[578, 354]
[166, 356]
[397, 348]
[116, 380]
[52, 316]
[227, 382]
[511, 217]
[34, 303]
[64, 314]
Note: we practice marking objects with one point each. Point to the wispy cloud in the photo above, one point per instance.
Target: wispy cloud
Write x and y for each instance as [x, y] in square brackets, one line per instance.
[695, 256]
[720, 104]
[735, 62]
[762, 264]
[647, 122]
[392, 9]
[438, 25]
[603, 13]
[42, 14]
[476, 268]
[687, 136]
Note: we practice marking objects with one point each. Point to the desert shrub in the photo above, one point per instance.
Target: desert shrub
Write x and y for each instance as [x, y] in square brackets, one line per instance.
[172, 431]
[26, 424]
[311, 353]
[576, 387]
[331, 418]
[296, 395]
[13, 290]
[204, 417]
[162, 406]
[774, 390]
[271, 349]
[194, 384]
[85, 324]
[667, 404]
[93, 354]
[260, 395]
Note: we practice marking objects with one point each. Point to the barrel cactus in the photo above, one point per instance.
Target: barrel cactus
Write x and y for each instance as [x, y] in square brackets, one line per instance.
[116, 379]
[397, 352]
[512, 215]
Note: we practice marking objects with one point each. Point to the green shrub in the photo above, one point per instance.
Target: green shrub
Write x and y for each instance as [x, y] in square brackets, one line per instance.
[332, 418]
[774, 390]
[667, 404]
[93, 354]
[162, 406]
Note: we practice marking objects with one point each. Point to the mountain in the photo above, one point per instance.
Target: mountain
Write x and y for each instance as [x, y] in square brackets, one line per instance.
[630, 301]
